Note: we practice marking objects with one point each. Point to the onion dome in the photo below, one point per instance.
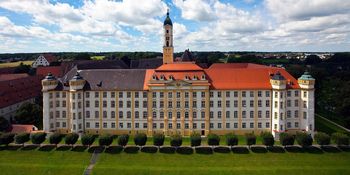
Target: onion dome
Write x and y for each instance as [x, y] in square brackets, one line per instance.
[77, 77]
[306, 76]
[278, 76]
[49, 76]
[167, 20]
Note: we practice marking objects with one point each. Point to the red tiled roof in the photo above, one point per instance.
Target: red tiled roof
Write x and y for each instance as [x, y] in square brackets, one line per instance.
[245, 76]
[23, 128]
[6, 77]
[50, 58]
[181, 66]
[55, 70]
[17, 90]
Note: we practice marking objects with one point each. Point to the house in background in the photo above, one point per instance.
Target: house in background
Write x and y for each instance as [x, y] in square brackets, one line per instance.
[44, 60]
[16, 89]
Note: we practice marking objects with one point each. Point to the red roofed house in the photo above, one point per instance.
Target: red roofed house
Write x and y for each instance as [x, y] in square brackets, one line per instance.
[23, 128]
[179, 97]
[44, 60]
[16, 89]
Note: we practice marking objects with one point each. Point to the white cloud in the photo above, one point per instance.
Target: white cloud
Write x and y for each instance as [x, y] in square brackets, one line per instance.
[306, 9]
[199, 10]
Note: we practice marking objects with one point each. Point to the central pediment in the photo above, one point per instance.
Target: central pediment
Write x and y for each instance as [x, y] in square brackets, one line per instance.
[178, 83]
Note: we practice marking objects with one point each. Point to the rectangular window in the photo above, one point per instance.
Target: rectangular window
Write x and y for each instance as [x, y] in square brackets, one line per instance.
[121, 125]
[112, 125]
[267, 93]
[259, 94]
[194, 126]
[211, 94]
[227, 125]
[145, 125]
[170, 104]
[296, 103]
[105, 96]
[244, 103]
[289, 93]
[219, 114]
[227, 104]
[170, 126]
[244, 125]
[144, 94]
[259, 114]
[96, 104]
[128, 94]
[251, 103]
[243, 94]
[202, 94]
[194, 104]
[97, 114]
[87, 124]
[113, 96]
[96, 94]
[202, 114]
[267, 114]
[235, 94]
[137, 95]
[227, 114]
[296, 114]
[267, 124]
[161, 94]
[227, 93]
[251, 93]
[259, 103]
[64, 94]
[219, 125]
[194, 94]
[170, 95]
[112, 104]
[259, 125]
[235, 125]
[251, 114]
[244, 115]
[186, 94]
[170, 115]
[235, 114]
[203, 104]
[219, 104]
[178, 95]
[120, 94]
[104, 103]
[97, 124]
[104, 124]
[178, 126]
[219, 94]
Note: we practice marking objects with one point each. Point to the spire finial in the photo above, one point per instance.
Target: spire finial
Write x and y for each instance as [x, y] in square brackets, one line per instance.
[167, 11]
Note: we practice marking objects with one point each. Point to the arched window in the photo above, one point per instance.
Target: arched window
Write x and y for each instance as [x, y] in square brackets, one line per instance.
[167, 43]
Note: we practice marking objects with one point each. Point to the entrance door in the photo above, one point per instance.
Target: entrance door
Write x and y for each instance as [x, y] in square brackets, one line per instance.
[203, 133]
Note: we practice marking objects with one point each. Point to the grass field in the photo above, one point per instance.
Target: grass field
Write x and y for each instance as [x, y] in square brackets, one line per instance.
[40, 162]
[98, 57]
[53, 162]
[253, 163]
[14, 64]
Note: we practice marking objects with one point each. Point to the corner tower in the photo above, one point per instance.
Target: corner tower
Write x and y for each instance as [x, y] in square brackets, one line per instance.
[168, 49]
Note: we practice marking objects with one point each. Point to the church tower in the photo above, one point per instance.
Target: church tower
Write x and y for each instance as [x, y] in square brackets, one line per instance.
[168, 49]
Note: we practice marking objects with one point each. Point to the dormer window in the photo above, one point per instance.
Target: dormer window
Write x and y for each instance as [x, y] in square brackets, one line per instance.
[171, 77]
[162, 77]
[187, 77]
[154, 77]
[195, 77]
[203, 77]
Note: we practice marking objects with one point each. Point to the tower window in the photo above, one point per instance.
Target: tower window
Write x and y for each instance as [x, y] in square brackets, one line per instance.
[167, 31]
[167, 43]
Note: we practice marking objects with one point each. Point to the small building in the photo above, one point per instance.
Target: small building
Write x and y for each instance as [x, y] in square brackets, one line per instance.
[44, 60]
[16, 89]
[23, 128]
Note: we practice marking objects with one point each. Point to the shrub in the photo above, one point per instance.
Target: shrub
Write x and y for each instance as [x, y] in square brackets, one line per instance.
[22, 138]
[222, 149]
[131, 149]
[250, 139]
[38, 138]
[167, 150]
[340, 139]
[184, 150]
[71, 138]
[267, 139]
[304, 139]
[140, 139]
[149, 149]
[87, 139]
[176, 140]
[105, 140]
[286, 139]
[123, 140]
[204, 150]
[213, 140]
[6, 138]
[196, 139]
[322, 138]
[55, 138]
[231, 139]
[158, 139]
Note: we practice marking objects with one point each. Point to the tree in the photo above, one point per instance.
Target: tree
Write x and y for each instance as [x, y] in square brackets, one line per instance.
[140, 139]
[22, 68]
[250, 139]
[267, 139]
[304, 139]
[196, 139]
[322, 138]
[231, 139]
[158, 139]
[123, 140]
[105, 140]
[4, 124]
[29, 113]
[21, 138]
[176, 140]
[55, 138]
[82, 56]
[38, 138]
[6, 138]
[71, 138]
[213, 140]
[312, 59]
[340, 139]
[286, 139]
[87, 139]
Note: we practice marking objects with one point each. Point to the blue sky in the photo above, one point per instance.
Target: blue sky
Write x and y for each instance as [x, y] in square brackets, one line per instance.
[201, 25]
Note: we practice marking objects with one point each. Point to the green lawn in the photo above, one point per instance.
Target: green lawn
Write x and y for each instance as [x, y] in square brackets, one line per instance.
[41, 162]
[217, 163]
[98, 57]
[71, 162]
[14, 64]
